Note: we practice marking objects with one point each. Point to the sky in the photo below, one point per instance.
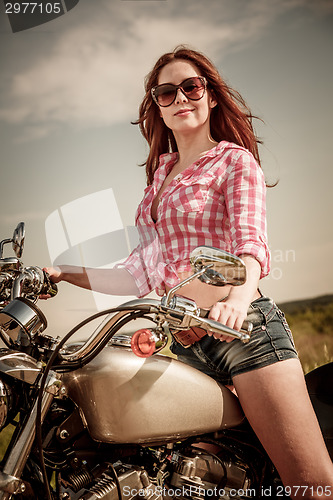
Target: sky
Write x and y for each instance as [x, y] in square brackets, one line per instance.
[70, 88]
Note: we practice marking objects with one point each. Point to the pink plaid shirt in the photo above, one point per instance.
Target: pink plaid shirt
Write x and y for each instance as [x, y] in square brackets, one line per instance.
[217, 201]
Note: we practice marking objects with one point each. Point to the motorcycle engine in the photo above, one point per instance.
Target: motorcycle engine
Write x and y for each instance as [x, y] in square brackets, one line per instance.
[197, 472]
[209, 471]
[127, 482]
[192, 474]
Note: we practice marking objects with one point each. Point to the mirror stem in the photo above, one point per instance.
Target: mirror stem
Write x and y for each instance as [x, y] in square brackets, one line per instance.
[173, 290]
[2, 244]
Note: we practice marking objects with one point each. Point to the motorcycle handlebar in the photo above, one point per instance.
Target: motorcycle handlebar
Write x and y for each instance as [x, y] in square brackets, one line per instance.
[33, 282]
[175, 318]
[216, 327]
[246, 328]
[181, 318]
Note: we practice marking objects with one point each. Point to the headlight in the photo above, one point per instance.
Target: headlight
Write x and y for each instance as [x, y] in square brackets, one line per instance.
[6, 403]
[22, 313]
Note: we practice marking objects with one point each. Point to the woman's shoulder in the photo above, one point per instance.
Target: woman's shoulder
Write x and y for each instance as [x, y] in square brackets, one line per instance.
[231, 149]
[234, 161]
[228, 155]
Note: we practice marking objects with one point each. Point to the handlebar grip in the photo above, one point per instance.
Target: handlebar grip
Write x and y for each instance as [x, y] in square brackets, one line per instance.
[247, 326]
[52, 290]
[49, 288]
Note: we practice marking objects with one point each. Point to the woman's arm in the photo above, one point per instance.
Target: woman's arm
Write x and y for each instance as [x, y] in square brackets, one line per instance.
[244, 193]
[129, 277]
[115, 281]
[233, 310]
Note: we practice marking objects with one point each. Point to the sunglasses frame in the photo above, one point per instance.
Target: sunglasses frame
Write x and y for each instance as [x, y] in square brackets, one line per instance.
[176, 88]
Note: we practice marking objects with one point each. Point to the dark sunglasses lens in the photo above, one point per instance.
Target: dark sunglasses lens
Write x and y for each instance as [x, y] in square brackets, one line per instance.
[165, 94]
[194, 88]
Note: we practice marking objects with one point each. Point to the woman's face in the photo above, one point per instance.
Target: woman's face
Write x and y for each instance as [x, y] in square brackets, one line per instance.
[184, 116]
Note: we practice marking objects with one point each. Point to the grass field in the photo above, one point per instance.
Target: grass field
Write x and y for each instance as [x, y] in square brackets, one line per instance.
[311, 322]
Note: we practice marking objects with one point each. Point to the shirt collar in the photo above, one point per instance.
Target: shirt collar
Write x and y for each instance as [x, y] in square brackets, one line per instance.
[170, 158]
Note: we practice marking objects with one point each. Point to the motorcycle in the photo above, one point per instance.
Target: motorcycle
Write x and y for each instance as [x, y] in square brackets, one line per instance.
[105, 419]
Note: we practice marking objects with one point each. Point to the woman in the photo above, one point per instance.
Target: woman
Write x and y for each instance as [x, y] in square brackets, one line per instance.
[205, 186]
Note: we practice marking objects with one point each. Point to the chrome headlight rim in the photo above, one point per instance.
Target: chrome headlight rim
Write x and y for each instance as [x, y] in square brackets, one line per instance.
[22, 314]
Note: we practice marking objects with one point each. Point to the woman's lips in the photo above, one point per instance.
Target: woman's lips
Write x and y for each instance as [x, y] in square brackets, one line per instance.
[183, 112]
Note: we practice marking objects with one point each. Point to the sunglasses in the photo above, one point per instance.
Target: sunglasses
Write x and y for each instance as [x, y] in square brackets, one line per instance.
[193, 88]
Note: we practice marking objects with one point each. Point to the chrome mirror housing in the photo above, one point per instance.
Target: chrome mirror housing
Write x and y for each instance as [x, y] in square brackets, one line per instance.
[224, 268]
[18, 239]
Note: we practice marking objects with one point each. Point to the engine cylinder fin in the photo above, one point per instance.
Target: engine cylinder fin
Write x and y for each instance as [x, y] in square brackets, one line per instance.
[104, 486]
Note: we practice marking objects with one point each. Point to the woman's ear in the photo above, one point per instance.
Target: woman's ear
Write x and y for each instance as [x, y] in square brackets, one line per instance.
[212, 102]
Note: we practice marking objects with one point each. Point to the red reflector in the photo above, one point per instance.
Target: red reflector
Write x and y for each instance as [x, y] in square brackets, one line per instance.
[143, 343]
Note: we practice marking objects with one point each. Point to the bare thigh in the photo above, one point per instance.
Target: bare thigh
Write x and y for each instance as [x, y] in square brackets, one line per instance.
[276, 402]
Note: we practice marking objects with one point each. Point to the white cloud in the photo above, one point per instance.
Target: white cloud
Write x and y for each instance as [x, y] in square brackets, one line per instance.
[93, 74]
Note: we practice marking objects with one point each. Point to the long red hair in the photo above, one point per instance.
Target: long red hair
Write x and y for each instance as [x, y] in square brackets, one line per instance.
[230, 120]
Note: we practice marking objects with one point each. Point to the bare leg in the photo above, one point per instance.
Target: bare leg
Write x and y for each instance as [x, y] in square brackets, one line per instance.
[275, 400]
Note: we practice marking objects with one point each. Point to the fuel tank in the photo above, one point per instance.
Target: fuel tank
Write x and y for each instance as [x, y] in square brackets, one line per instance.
[126, 399]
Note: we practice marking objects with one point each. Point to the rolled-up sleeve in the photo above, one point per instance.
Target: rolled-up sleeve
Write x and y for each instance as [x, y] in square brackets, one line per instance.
[244, 192]
[134, 264]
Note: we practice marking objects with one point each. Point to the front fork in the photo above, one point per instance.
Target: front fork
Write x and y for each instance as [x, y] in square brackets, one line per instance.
[10, 482]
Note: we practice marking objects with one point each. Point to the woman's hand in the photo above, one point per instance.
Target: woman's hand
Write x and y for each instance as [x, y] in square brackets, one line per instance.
[232, 312]
[55, 276]
[54, 273]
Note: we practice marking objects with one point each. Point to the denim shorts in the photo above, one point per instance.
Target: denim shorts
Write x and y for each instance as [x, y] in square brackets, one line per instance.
[271, 341]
